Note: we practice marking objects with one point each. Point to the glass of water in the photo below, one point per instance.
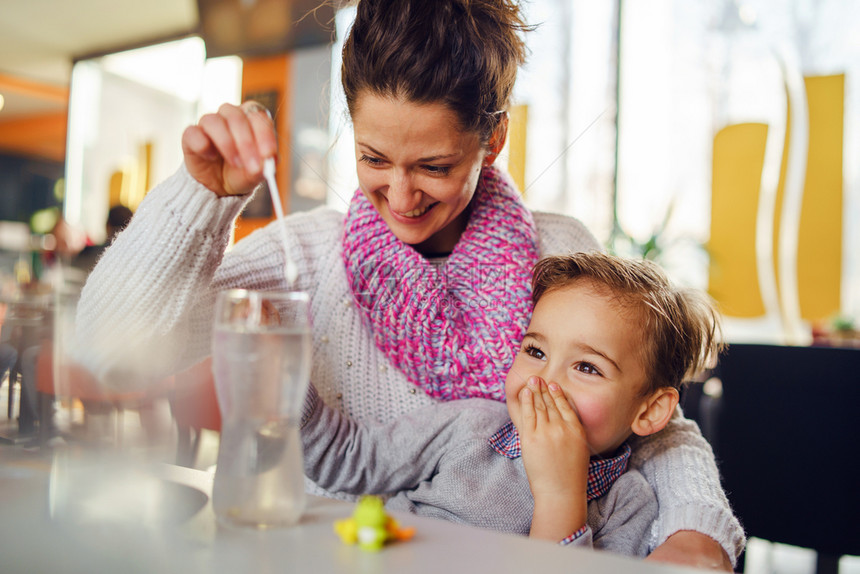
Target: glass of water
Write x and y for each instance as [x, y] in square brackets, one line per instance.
[261, 353]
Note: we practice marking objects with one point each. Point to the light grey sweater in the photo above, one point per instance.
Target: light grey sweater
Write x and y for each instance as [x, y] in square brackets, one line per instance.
[146, 312]
[437, 461]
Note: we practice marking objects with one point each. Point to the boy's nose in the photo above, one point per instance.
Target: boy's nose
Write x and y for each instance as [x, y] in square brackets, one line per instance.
[550, 373]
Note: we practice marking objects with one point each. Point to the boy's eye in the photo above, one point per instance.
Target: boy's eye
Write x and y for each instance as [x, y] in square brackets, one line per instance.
[587, 368]
[533, 351]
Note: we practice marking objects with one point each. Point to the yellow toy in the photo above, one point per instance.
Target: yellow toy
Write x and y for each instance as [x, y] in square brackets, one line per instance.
[370, 527]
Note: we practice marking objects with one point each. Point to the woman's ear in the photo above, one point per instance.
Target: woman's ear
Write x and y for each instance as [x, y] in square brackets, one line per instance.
[497, 140]
[655, 411]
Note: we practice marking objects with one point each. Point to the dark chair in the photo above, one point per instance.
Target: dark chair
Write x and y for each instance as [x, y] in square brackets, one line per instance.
[787, 439]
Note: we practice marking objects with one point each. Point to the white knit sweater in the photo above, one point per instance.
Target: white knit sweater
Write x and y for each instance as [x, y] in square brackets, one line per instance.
[146, 312]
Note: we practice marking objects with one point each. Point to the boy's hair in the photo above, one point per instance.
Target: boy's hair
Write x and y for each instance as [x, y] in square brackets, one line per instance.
[681, 330]
[461, 53]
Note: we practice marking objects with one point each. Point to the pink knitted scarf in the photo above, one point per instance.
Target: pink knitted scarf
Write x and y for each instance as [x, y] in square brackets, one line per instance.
[453, 331]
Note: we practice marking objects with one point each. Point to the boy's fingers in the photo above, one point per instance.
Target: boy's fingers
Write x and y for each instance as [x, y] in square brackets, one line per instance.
[561, 403]
[549, 401]
[537, 388]
[527, 409]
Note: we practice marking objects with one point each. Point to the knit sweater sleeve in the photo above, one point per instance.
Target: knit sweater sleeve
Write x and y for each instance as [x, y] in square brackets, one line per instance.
[679, 465]
[146, 309]
[560, 235]
[131, 322]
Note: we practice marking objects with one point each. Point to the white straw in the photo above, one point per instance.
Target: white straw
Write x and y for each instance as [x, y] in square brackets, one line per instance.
[291, 272]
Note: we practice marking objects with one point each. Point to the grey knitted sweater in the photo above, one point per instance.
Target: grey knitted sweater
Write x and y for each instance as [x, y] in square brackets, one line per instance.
[156, 287]
[436, 461]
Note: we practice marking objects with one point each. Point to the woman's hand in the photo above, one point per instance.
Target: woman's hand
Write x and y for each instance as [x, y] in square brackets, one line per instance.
[692, 549]
[225, 151]
[555, 456]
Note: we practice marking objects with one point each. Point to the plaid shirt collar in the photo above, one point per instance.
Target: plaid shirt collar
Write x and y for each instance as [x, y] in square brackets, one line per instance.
[602, 472]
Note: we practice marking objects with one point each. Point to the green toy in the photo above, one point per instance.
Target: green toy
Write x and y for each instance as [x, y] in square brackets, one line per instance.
[370, 527]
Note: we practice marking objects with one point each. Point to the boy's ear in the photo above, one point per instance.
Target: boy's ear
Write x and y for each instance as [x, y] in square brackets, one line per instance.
[655, 411]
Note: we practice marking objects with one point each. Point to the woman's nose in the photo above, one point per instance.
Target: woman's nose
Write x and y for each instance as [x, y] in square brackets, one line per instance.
[402, 196]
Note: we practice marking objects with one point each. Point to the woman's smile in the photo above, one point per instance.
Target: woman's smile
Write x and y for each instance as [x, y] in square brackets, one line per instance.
[418, 168]
[415, 215]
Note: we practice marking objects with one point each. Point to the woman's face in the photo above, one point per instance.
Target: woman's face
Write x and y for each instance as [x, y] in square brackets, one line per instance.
[417, 168]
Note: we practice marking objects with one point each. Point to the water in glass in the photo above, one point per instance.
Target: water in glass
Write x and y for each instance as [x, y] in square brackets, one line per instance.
[261, 376]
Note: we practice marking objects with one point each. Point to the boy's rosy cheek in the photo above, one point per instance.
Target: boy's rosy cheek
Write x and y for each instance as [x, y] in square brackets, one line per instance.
[514, 381]
[511, 391]
[591, 413]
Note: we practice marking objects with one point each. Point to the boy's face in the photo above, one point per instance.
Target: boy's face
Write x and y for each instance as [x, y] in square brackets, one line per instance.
[584, 341]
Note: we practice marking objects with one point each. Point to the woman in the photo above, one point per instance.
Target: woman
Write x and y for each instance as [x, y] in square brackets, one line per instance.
[421, 292]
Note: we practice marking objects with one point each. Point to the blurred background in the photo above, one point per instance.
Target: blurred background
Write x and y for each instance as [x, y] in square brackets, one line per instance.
[719, 138]
[714, 137]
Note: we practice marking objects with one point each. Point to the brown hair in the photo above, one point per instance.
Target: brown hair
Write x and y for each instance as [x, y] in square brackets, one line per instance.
[681, 330]
[461, 53]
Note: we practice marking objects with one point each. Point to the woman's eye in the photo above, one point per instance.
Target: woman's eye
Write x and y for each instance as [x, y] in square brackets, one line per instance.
[370, 160]
[533, 351]
[587, 368]
[437, 169]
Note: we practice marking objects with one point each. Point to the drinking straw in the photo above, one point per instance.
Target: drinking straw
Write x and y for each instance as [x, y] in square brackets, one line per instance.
[291, 271]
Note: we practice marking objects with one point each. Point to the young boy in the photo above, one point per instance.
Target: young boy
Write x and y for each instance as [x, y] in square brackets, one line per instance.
[608, 347]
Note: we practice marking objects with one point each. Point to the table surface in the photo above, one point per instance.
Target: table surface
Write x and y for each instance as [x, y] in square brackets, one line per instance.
[31, 542]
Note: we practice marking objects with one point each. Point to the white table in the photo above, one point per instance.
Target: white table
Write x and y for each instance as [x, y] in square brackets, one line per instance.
[31, 542]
